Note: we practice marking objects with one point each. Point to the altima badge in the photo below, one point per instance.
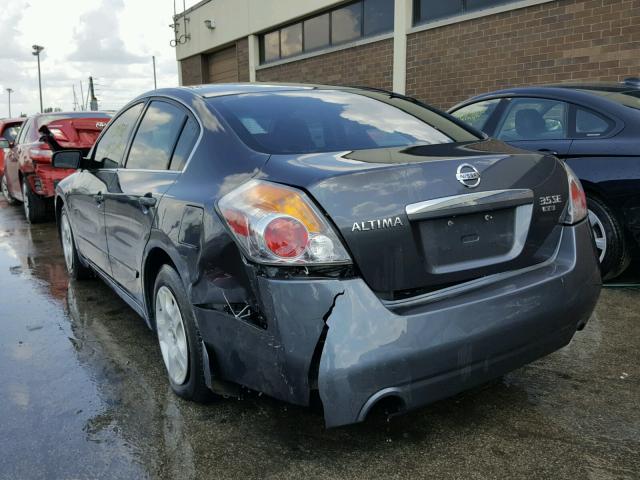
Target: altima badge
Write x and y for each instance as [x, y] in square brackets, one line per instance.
[468, 175]
[378, 224]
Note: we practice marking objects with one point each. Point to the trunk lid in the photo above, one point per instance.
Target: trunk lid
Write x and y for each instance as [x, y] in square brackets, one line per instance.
[413, 220]
[74, 133]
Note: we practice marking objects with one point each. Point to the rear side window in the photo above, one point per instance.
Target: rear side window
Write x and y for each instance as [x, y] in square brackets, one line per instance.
[156, 137]
[533, 119]
[186, 142]
[110, 148]
[11, 132]
[477, 114]
[590, 124]
[324, 121]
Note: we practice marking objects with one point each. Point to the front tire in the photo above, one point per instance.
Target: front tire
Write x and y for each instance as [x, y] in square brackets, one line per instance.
[75, 268]
[5, 191]
[35, 207]
[179, 337]
[610, 240]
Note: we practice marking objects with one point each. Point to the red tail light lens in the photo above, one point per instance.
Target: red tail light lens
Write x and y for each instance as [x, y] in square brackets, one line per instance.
[276, 224]
[40, 153]
[286, 237]
[577, 206]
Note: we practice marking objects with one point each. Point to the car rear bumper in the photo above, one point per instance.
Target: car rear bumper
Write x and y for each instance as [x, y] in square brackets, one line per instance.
[45, 178]
[339, 337]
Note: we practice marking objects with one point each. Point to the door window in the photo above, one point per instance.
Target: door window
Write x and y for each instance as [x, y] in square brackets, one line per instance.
[111, 147]
[590, 124]
[156, 137]
[477, 114]
[187, 140]
[534, 119]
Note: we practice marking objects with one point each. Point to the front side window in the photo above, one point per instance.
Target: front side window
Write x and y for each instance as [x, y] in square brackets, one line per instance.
[477, 114]
[156, 137]
[110, 148]
[323, 121]
[533, 119]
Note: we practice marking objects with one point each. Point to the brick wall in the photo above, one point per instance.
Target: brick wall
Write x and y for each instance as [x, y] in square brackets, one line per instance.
[193, 70]
[367, 65]
[242, 53]
[560, 41]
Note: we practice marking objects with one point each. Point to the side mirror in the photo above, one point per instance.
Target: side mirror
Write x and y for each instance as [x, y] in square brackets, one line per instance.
[67, 159]
[4, 143]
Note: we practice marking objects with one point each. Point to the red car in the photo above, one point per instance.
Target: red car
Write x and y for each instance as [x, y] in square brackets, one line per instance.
[29, 176]
[9, 128]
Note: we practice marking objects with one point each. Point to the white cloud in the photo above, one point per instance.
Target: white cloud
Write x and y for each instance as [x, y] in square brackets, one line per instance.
[112, 40]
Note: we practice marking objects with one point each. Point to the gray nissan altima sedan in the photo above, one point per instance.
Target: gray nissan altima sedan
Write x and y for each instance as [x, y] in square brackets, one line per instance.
[345, 244]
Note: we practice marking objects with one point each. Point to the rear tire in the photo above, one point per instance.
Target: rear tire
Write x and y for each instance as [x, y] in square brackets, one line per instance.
[610, 239]
[5, 191]
[175, 324]
[75, 268]
[35, 207]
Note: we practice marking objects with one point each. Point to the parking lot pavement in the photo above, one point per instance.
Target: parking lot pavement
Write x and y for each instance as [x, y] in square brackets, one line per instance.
[83, 395]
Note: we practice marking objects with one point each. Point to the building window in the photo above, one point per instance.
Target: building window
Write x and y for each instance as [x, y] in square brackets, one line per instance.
[335, 27]
[425, 11]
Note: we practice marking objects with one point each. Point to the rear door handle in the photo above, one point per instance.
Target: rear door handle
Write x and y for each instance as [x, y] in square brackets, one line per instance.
[147, 201]
[546, 150]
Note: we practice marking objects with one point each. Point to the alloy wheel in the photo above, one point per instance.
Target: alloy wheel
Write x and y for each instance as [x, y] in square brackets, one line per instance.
[5, 189]
[25, 199]
[599, 234]
[67, 242]
[172, 335]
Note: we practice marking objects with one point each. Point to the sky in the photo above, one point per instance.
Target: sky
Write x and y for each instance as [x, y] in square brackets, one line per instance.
[111, 40]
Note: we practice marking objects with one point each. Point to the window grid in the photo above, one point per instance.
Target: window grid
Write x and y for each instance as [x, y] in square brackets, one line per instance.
[263, 56]
[420, 16]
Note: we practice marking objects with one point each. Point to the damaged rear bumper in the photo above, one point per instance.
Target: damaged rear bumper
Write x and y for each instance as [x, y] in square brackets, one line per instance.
[339, 337]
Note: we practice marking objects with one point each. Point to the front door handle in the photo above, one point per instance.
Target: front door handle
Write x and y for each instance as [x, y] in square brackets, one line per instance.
[99, 198]
[147, 201]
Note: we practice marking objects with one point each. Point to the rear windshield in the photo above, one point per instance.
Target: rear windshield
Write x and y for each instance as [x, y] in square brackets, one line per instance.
[47, 119]
[325, 121]
[629, 98]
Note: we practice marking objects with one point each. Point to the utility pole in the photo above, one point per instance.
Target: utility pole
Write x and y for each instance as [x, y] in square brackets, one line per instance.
[75, 100]
[36, 51]
[82, 102]
[155, 85]
[9, 91]
[94, 101]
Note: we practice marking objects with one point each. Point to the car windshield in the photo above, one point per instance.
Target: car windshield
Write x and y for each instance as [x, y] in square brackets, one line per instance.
[47, 119]
[630, 98]
[324, 121]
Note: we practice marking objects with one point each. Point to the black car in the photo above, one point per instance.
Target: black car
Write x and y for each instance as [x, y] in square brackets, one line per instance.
[336, 243]
[595, 128]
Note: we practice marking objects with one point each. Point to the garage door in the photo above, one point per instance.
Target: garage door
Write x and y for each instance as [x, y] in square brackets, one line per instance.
[223, 66]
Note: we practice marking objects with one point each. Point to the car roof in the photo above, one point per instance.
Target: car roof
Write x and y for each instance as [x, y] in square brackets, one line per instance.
[4, 121]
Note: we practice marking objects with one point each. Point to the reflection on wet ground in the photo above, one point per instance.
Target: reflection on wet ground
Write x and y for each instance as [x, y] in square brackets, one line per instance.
[83, 395]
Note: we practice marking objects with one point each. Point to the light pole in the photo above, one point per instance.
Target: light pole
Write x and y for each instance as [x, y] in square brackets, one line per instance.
[155, 84]
[36, 51]
[9, 91]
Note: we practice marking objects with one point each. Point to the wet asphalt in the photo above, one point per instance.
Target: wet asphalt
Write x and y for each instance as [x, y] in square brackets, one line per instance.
[83, 395]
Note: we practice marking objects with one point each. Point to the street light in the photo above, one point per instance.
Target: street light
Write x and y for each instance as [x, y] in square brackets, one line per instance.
[36, 51]
[9, 91]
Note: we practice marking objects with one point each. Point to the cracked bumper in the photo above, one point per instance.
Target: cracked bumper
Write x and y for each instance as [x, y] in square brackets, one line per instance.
[339, 337]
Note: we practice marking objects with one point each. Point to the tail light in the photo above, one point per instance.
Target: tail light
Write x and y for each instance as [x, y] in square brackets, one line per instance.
[577, 205]
[41, 153]
[275, 224]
